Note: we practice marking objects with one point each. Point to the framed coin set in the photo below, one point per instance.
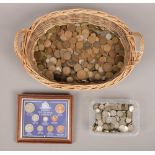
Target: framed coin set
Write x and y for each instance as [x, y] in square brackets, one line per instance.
[44, 118]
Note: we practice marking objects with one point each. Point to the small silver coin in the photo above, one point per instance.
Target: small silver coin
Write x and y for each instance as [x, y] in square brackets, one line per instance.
[116, 125]
[113, 113]
[108, 119]
[101, 106]
[97, 110]
[119, 107]
[129, 114]
[105, 126]
[128, 120]
[105, 113]
[107, 107]
[104, 119]
[119, 113]
[29, 128]
[122, 122]
[113, 120]
[99, 128]
[100, 123]
[117, 118]
[131, 108]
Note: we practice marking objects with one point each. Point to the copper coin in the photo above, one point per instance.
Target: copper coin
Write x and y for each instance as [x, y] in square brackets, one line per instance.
[54, 118]
[60, 129]
[59, 108]
[50, 128]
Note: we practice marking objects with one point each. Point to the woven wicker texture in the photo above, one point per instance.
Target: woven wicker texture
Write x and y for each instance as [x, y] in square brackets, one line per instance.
[25, 40]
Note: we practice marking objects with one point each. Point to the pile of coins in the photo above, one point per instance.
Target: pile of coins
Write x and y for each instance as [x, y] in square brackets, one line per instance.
[79, 53]
[113, 118]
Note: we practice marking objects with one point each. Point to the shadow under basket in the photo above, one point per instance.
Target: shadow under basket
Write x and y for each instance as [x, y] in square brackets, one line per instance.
[132, 42]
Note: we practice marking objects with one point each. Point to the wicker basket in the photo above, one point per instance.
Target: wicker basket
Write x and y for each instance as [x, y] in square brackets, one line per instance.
[26, 39]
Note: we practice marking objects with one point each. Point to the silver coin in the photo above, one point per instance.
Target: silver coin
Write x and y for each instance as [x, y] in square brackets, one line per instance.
[131, 108]
[126, 107]
[123, 128]
[105, 126]
[35, 117]
[113, 113]
[122, 118]
[99, 128]
[29, 107]
[128, 120]
[45, 119]
[124, 113]
[117, 118]
[114, 106]
[113, 120]
[97, 110]
[119, 113]
[116, 125]
[113, 131]
[29, 128]
[119, 106]
[129, 114]
[106, 131]
[108, 36]
[108, 119]
[101, 106]
[107, 107]
[122, 122]
[100, 123]
[40, 128]
[112, 126]
[104, 119]
[105, 113]
[131, 127]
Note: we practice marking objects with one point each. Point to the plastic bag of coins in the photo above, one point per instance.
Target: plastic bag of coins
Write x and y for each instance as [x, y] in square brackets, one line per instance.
[79, 53]
[114, 117]
[44, 118]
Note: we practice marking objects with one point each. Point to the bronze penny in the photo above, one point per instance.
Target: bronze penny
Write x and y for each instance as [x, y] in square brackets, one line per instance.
[50, 128]
[54, 118]
[59, 108]
[60, 129]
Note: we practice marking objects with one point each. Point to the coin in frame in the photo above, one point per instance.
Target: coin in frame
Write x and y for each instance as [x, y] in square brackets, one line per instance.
[50, 128]
[29, 128]
[29, 107]
[60, 129]
[35, 117]
[59, 108]
[39, 128]
[54, 118]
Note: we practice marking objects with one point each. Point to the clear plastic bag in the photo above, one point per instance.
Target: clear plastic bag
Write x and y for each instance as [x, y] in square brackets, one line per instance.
[135, 116]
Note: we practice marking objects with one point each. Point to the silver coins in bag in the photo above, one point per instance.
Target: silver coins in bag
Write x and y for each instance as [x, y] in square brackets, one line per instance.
[113, 118]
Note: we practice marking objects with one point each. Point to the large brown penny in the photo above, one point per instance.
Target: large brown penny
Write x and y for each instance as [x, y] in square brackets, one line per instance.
[59, 108]
[60, 129]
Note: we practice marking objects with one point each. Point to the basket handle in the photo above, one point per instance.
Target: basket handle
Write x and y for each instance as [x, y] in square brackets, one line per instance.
[18, 42]
[140, 50]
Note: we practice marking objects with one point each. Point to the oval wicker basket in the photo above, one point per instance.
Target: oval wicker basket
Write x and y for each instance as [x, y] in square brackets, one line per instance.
[26, 39]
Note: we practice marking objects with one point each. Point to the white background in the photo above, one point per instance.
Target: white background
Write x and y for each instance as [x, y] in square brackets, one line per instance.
[139, 85]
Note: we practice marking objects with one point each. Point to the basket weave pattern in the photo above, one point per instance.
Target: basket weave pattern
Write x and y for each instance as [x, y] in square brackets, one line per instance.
[26, 39]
